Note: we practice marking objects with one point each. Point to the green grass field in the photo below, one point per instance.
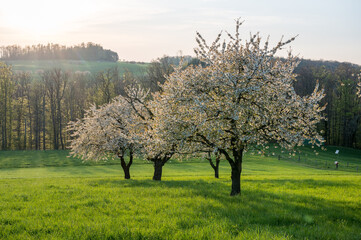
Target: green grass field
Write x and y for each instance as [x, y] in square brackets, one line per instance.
[73, 66]
[55, 197]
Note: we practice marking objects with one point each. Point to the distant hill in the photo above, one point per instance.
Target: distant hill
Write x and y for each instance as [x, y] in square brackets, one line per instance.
[37, 66]
[86, 52]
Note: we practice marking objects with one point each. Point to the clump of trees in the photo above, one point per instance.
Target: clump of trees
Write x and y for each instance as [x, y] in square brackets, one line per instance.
[241, 96]
[87, 52]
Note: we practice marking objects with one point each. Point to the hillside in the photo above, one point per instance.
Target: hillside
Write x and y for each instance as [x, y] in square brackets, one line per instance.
[36, 66]
[88, 52]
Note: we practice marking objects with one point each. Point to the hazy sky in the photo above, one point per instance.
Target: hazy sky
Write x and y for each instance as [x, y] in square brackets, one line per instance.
[143, 30]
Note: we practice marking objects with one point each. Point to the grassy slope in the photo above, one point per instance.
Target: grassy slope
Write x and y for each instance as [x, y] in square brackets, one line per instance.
[71, 65]
[349, 159]
[280, 200]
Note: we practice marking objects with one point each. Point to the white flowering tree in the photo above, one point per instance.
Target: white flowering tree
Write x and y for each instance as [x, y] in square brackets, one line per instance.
[243, 97]
[126, 125]
[156, 144]
[104, 132]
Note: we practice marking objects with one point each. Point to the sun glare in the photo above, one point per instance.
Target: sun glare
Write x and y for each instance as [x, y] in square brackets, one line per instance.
[43, 17]
[37, 23]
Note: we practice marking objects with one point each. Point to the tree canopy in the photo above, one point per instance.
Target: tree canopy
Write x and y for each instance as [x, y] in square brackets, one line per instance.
[242, 97]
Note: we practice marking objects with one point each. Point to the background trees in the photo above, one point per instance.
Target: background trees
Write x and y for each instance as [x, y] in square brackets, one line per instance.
[29, 108]
[342, 105]
[55, 81]
[22, 105]
[158, 70]
[6, 117]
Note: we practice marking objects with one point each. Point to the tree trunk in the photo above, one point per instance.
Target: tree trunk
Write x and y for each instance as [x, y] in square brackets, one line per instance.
[30, 135]
[25, 132]
[125, 166]
[126, 172]
[60, 124]
[158, 167]
[10, 125]
[215, 167]
[18, 125]
[236, 166]
[236, 172]
[158, 163]
[43, 121]
[236, 181]
[4, 132]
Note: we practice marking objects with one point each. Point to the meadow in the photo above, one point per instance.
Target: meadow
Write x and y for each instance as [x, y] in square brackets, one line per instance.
[52, 196]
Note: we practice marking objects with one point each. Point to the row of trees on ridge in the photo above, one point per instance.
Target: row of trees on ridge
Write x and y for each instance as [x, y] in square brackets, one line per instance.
[87, 52]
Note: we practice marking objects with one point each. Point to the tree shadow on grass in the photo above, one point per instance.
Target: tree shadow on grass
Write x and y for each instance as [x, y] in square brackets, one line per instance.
[305, 182]
[74, 171]
[296, 214]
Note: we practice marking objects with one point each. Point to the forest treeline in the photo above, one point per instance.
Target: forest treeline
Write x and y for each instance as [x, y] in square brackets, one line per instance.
[34, 112]
[343, 108]
[84, 51]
